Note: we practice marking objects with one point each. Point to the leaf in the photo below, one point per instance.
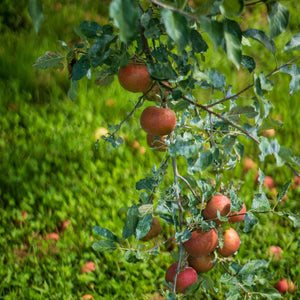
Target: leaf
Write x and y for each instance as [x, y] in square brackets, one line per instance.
[104, 78]
[106, 234]
[72, 92]
[214, 29]
[104, 246]
[283, 191]
[143, 226]
[278, 17]
[261, 37]
[236, 111]
[203, 162]
[206, 282]
[294, 71]
[197, 42]
[270, 293]
[35, 10]
[161, 72]
[250, 221]
[270, 148]
[147, 184]
[125, 14]
[253, 266]
[212, 77]
[293, 44]
[232, 8]
[90, 29]
[295, 218]
[260, 202]
[81, 68]
[233, 38]
[131, 222]
[50, 60]
[248, 62]
[176, 27]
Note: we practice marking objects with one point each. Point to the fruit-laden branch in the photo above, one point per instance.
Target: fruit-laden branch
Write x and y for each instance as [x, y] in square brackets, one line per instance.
[251, 85]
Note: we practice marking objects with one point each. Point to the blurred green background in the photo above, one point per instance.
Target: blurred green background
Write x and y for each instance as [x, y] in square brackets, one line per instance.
[51, 169]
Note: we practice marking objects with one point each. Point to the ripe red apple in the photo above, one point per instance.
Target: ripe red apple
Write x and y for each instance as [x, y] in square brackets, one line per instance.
[296, 182]
[231, 242]
[158, 121]
[52, 236]
[201, 264]
[239, 217]
[88, 267]
[154, 231]
[157, 142]
[285, 285]
[201, 243]
[217, 203]
[155, 94]
[185, 277]
[134, 77]
[276, 251]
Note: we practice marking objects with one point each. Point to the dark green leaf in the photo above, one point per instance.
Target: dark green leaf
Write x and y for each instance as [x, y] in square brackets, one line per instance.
[270, 293]
[233, 38]
[197, 42]
[90, 28]
[50, 60]
[161, 72]
[295, 218]
[231, 8]
[294, 71]
[147, 184]
[72, 92]
[106, 234]
[261, 37]
[143, 226]
[248, 62]
[228, 142]
[214, 29]
[278, 16]
[283, 191]
[253, 266]
[203, 162]
[36, 13]
[81, 68]
[104, 246]
[260, 202]
[125, 14]
[250, 220]
[186, 148]
[236, 111]
[206, 282]
[293, 44]
[131, 222]
[176, 27]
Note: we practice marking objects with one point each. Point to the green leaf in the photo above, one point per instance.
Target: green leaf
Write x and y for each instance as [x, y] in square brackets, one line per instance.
[203, 162]
[81, 68]
[236, 111]
[131, 222]
[233, 38]
[161, 72]
[125, 14]
[270, 148]
[260, 202]
[197, 42]
[50, 60]
[232, 8]
[176, 27]
[278, 17]
[283, 191]
[214, 29]
[131, 257]
[250, 221]
[261, 37]
[35, 10]
[270, 293]
[72, 92]
[253, 266]
[104, 246]
[90, 29]
[248, 62]
[293, 44]
[212, 77]
[294, 71]
[295, 218]
[206, 282]
[106, 234]
[143, 226]
[147, 184]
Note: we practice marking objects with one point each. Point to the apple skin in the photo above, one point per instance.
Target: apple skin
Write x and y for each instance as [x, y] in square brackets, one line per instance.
[276, 251]
[185, 277]
[201, 264]
[201, 243]
[134, 78]
[157, 143]
[285, 285]
[238, 218]
[231, 242]
[249, 164]
[158, 121]
[217, 203]
[154, 231]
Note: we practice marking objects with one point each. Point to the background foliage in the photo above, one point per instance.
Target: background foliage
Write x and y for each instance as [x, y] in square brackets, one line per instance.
[50, 168]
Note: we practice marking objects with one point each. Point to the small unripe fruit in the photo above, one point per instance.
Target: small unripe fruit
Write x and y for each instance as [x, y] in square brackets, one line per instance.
[157, 142]
[217, 203]
[185, 277]
[154, 231]
[201, 264]
[239, 215]
[135, 78]
[158, 121]
[231, 242]
[201, 243]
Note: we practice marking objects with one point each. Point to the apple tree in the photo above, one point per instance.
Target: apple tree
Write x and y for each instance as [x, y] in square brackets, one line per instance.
[164, 52]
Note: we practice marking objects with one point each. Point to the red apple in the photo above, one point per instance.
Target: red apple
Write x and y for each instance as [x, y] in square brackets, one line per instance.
[185, 277]
[64, 225]
[201, 243]
[201, 264]
[134, 78]
[217, 203]
[276, 251]
[52, 236]
[296, 182]
[87, 297]
[154, 231]
[158, 121]
[239, 215]
[249, 164]
[157, 142]
[88, 267]
[285, 285]
[231, 242]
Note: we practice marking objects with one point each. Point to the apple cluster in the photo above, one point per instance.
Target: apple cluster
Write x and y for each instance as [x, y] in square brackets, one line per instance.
[158, 122]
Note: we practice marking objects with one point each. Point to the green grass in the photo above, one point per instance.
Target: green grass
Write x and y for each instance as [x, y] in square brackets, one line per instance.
[50, 168]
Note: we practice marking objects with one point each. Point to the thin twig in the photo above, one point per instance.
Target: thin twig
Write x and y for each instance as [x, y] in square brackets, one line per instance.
[189, 186]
